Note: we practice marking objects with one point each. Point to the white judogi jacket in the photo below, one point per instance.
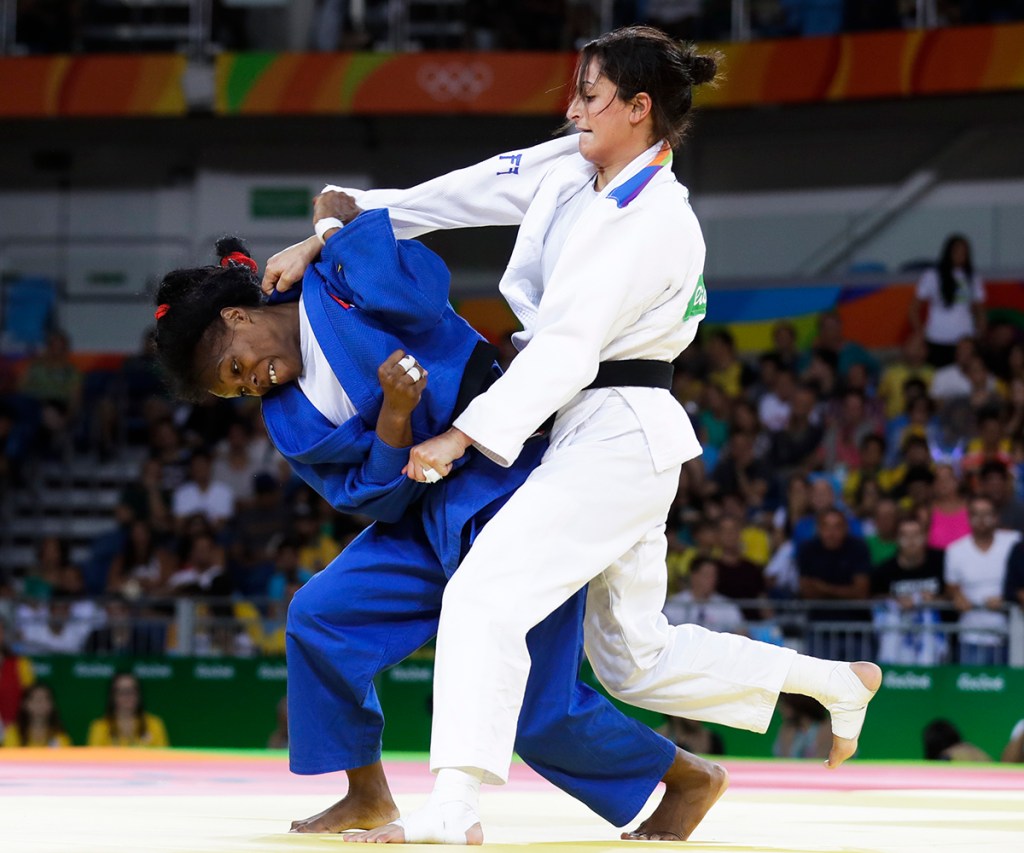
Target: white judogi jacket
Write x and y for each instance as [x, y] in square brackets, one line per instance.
[627, 285]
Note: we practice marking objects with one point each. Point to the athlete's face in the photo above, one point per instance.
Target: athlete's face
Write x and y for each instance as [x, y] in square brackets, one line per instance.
[602, 118]
[249, 355]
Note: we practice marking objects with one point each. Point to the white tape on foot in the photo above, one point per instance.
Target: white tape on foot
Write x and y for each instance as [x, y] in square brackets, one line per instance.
[444, 824]
[851, 707]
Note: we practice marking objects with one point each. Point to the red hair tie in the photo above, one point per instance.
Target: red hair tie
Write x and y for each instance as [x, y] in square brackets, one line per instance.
[239, 258]
[161, 310]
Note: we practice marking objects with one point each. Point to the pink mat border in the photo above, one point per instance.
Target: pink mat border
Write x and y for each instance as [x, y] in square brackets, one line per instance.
[92, 772]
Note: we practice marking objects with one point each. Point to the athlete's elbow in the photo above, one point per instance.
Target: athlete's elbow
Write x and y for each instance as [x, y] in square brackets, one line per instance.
[577, 370]
[388, 511]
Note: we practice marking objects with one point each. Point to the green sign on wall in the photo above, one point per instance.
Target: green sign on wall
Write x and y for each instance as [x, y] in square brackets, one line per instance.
[210, 702]
[984, 703]
[204, 701]
[280, 202]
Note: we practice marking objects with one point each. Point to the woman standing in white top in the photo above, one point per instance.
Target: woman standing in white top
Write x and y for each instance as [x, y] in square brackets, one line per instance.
[955, 297]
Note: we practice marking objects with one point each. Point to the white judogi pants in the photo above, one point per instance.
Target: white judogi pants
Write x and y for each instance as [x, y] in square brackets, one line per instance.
[593, 511]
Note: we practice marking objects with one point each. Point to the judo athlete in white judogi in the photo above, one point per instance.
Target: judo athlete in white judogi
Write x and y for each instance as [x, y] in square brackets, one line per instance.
[606, 269]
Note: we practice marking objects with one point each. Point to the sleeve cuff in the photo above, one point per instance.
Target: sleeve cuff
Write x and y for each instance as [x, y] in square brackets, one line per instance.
[385, 463]
[503, 456]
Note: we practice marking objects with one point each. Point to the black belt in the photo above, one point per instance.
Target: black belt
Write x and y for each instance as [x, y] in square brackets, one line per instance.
[636, 372]
[480, 373]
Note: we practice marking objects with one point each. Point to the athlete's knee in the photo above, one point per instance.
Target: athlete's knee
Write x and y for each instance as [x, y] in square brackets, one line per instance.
[618, 680]
[302, 611]
[617, 688]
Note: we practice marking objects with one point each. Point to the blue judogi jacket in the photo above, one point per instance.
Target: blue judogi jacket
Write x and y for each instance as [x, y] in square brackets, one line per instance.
[368, 295]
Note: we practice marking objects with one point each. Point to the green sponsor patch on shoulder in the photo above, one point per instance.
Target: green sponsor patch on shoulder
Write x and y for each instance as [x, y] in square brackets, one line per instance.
[698, 305]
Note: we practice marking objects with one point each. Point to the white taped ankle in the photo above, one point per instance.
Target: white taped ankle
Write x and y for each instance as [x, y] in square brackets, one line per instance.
[454, 784]
[850, 707]
[447, 823]
[810, 677]
[836, 686]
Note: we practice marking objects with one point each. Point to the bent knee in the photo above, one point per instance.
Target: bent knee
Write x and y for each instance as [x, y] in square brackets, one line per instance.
[615, 678]
[304, 609]
[298, 614]
[617, 689]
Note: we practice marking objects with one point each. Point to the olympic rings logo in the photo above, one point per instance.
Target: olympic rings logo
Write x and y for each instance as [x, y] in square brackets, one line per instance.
[454, 81]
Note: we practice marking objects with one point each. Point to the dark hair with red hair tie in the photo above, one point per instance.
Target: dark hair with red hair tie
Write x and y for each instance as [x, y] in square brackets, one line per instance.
[198, 295]
[240, 259]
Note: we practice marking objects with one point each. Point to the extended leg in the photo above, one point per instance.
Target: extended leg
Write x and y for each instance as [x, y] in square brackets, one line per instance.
[688, 671]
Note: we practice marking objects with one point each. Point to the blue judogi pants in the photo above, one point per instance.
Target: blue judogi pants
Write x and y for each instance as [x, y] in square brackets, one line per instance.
[378, 602]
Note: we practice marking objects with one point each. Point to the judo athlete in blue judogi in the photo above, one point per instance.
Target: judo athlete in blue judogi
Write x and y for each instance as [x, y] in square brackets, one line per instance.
[367, 297]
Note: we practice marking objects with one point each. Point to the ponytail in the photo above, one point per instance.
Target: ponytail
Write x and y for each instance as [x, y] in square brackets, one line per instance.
[189, 302]
[644, 59]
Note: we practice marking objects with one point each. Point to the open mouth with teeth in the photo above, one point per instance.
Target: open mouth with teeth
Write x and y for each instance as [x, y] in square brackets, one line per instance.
[273, 373]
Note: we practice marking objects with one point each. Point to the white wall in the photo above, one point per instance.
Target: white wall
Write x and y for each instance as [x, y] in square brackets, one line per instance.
[772, 234]
[110, 248]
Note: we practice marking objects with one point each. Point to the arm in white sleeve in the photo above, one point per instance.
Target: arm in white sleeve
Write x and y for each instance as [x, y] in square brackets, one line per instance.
[602, 283]
[495, 192]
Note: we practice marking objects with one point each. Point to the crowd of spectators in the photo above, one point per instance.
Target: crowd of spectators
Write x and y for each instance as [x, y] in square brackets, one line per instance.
[49, 26]
[842, 504]
[213, 513]
[885, 491]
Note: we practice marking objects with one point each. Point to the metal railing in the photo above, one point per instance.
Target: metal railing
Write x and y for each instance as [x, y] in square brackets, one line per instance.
[147, 627]
[879, 629]
[234, 627]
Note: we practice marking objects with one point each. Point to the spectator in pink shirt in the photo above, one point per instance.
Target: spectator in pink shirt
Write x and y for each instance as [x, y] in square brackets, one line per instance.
[949, 509]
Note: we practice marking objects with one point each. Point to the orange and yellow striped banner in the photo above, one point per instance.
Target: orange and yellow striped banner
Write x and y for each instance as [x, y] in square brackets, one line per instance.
[897, 64]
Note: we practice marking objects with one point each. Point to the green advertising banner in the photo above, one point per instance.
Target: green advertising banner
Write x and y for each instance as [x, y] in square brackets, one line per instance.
[984, 703]
[231, 703]
[208, 702]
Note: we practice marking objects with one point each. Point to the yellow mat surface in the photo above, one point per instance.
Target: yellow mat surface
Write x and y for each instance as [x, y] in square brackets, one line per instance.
[87, 813]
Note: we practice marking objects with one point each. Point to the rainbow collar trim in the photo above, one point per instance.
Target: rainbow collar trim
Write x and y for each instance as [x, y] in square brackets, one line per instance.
[625, 192]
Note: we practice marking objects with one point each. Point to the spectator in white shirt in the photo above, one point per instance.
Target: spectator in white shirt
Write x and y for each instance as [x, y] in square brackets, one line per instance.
[235, 464]
[952, 381]
[781, 574]
[955, 298]
[775, 406]
[701, 605]
[202, 494]
[53, 629]
[975, 572]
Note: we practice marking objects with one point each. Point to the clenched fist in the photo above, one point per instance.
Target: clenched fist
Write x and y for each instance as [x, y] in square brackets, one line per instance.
[402, 380]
